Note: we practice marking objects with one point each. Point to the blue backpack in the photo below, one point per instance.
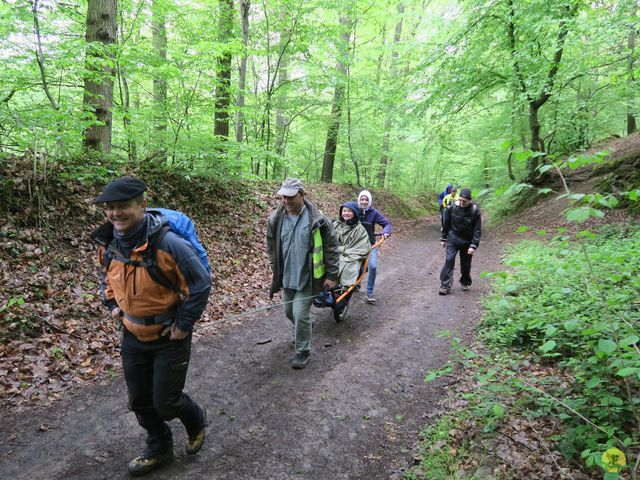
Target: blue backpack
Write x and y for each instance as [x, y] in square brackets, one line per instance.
[183, 226]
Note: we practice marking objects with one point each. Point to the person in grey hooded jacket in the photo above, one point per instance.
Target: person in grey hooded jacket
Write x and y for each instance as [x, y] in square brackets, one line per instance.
[353, 242]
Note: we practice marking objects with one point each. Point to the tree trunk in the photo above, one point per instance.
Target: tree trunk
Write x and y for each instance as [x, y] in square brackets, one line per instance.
[255, 159]
[333, 131]
[538, 99]
[513, 135]
[380, 62]
[386, 145]
[331, 145]
[537, 144]
[159, 29]
[631, 45]
[125, 105]
[280, 104]
[388, 124]
[631, 124]
[486, 171]
[281, 120]
[352, 154]
[242, 74]
[98, 84]
[123, 83]
[223, 71]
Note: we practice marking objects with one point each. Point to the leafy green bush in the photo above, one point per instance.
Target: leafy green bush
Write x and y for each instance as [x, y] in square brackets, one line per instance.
[574, 303]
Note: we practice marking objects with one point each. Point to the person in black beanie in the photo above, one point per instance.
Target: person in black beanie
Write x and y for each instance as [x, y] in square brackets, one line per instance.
[461, 230]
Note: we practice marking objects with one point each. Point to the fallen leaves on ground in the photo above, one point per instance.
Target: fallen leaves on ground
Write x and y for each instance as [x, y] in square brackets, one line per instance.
[55, 334]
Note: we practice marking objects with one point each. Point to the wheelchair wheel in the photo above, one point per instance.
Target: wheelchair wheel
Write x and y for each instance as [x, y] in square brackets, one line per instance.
[340, 314]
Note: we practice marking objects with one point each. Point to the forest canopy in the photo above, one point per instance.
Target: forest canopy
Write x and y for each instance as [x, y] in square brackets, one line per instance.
[406, 95]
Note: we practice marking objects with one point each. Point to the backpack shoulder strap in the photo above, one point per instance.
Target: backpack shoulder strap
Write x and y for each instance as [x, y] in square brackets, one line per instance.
[150, 261]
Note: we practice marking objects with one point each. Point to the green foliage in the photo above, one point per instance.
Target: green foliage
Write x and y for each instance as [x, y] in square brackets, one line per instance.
[570, 302]
[57, 353]
[15, 319]
[573, 303]
[439, 460]
[514, 197]
[444, 97]
[112, 372]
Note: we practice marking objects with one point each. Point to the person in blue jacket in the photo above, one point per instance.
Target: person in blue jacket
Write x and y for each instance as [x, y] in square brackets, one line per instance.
[370, 217]
[441, 196]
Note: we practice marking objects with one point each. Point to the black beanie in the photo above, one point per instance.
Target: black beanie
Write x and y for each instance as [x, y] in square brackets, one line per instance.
[466, 193]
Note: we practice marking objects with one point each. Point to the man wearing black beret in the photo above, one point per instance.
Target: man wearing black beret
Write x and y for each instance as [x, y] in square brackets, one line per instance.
[461, 230]
[157, 320]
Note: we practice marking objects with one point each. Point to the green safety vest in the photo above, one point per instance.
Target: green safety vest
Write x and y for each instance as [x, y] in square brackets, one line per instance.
[318, 255]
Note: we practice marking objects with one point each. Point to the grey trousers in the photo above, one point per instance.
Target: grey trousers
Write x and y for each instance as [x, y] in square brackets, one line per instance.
[297, 304]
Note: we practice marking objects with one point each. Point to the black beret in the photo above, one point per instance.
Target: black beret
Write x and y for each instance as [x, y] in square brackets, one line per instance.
[121, 189]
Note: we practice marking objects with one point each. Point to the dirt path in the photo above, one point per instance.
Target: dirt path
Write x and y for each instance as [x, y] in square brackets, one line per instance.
[354, 412]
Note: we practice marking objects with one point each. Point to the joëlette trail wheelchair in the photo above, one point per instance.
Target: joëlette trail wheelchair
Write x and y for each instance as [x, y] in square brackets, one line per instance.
[338, 298]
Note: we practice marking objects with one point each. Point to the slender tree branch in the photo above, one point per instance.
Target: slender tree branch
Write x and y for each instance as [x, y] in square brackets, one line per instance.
[40, 56]
[575, 412]
[9, 95]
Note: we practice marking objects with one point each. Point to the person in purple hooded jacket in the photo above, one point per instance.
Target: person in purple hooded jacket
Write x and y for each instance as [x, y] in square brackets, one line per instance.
[370, 217]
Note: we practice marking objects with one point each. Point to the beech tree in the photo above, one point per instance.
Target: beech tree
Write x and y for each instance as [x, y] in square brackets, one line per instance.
[245, 6]
[386, 129]
[539, 96]
[98, 82]
[223, 70]
[338, 96]
[160, 84]
[631, 62]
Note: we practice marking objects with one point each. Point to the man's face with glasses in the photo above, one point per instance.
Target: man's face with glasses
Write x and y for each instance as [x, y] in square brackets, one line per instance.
[464, 201]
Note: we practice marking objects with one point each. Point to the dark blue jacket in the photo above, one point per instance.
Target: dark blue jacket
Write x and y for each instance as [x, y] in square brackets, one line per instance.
[441, 195]
[369, 218]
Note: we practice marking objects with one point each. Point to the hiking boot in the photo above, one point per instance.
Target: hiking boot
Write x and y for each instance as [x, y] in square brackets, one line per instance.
[194, 444]
[370, 299]
[300, 360]
[464, 288]
[444, 291]
[147, 462]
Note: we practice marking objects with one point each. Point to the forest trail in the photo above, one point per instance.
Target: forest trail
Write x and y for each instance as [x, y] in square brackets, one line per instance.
[355, 412]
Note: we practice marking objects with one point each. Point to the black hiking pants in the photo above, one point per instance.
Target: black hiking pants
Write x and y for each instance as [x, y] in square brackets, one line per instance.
[446, 275]
[155, 373]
